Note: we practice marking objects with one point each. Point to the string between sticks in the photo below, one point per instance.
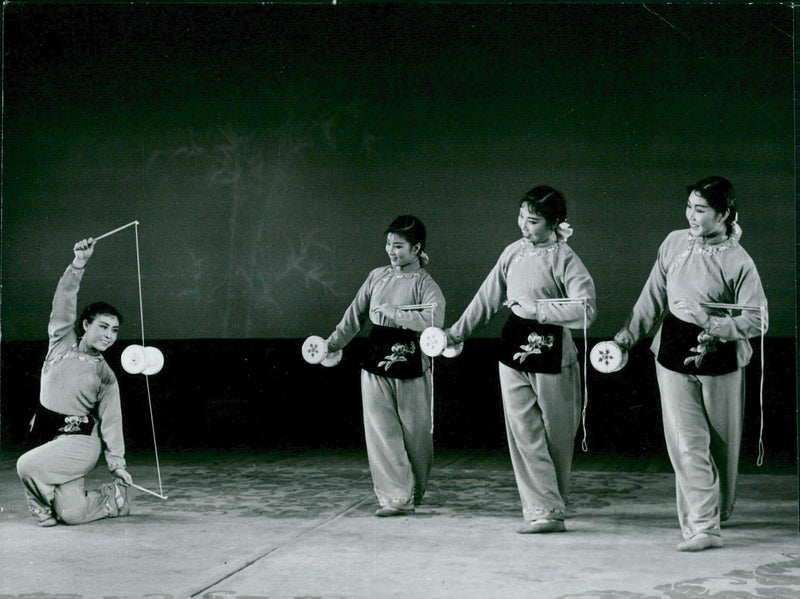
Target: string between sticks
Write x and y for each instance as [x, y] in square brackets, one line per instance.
[146, 377]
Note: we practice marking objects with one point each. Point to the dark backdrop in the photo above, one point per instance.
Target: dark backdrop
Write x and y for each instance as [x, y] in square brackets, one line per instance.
[249, 393]
[264, 149]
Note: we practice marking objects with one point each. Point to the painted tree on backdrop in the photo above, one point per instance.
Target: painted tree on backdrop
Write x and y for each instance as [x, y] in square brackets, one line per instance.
[254, 176]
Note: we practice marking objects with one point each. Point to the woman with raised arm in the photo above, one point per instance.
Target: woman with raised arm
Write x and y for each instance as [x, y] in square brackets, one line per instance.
[701, 353]
[79, 411]
[401, 300]
[540, 377]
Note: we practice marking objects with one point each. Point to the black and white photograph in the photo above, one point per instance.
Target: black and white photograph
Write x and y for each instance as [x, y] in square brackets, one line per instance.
[371, 300]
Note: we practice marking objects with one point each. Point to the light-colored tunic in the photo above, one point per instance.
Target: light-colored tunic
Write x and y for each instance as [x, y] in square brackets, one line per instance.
[688, 269]
[397, 412]
[73, 383]
[542, 411]
[703, 414]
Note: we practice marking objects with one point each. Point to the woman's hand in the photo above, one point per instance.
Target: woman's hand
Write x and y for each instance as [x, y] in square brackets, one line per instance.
[83, 251]
[690, 311]
[332, 347]
[451, 340]
[388, 310]
[123, 475]
[526, 305]
[624, 339]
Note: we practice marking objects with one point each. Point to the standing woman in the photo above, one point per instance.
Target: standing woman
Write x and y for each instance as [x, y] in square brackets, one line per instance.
[540, 377]
[79, 409]
[701, 354]
[396, 377]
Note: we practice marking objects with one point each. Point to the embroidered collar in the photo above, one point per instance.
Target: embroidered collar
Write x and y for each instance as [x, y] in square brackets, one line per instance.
[695, 246]
[72, 353]
[527, 248]
[698, 247]
[399, 274]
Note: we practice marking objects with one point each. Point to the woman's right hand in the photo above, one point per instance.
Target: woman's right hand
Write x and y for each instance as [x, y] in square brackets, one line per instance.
[624, 339]
[123, 475]
[452, 341]
[83, 251]
[332, 347]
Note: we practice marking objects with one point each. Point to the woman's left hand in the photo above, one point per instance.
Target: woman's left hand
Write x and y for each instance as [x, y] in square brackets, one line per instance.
[388, 310]
[525, 304]
[691, 311]
[123, 475]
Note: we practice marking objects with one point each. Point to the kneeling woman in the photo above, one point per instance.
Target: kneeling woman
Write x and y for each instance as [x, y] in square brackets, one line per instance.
[540, 377]
[80, 409]
[396, 380]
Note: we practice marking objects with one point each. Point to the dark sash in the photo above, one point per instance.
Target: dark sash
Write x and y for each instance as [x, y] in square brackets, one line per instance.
[393, 352]
[530, 346]
[679, 338]
[47, 424]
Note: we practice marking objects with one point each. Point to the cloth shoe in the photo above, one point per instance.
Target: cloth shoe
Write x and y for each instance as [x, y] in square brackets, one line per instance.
[44, 517]
[700, 542]
[121, 500]
[388, 511]
[47, 522]
[541, 526]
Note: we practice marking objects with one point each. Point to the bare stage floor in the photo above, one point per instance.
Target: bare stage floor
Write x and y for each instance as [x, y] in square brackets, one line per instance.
[300, 524]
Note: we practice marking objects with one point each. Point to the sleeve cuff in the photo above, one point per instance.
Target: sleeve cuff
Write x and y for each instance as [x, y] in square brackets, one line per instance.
[113, 465]
[541, 313]
[713, 325]
[332, 345]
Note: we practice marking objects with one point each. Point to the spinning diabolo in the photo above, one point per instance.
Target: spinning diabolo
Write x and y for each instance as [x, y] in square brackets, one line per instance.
[315, 351]
[138, 359]
[433, 342]
[608, 357]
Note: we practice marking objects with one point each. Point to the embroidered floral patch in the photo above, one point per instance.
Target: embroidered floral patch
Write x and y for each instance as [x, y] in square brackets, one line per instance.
[534, 346]
[706, 345]
[72, 424]
[399, 352]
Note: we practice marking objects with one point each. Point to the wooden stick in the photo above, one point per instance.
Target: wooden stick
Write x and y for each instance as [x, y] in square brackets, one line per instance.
[135, 486]
[554, 300]
[731, 306]
[135, 222]
[416, 306]
[562, 300]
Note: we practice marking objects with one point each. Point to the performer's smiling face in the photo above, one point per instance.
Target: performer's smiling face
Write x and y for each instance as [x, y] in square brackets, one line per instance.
[400, 251]
[100, 333]
[533, 225]
[704, 221]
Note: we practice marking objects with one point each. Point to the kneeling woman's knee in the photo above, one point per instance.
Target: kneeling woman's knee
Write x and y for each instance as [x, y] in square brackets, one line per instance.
[27, 467]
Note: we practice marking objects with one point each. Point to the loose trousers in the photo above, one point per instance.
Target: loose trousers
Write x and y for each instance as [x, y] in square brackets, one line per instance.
[397, 428]
[542, 413]
[703, 418]
[53, 475]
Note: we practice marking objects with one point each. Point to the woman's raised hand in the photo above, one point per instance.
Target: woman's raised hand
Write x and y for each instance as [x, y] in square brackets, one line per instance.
[83, 251]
